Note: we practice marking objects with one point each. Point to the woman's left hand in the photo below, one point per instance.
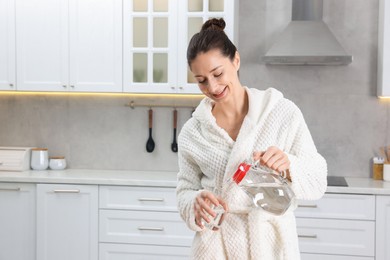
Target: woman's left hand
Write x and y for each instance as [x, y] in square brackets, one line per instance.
[273, 158]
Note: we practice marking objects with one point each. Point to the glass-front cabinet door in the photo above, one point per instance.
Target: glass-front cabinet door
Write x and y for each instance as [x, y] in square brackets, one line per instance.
[156, 35]
[193, 13]
[150, 46]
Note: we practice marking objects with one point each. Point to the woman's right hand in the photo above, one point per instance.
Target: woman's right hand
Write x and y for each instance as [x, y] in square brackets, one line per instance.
[202, 207]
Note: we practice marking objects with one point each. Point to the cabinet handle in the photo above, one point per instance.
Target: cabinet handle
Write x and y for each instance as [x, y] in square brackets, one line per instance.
[66, 191]
[151, 199]
[11, 85]
[307, 206]
[10, 189]
[72, 86]
[64, 86]
[308, 236]
[1, 163]
[151, 228]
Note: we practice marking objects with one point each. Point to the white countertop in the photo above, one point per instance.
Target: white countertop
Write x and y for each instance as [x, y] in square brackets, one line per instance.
[159, 179]
[103, 177]
[362, 186]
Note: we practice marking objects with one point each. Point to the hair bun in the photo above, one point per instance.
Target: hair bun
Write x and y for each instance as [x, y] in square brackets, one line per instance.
[214, 24]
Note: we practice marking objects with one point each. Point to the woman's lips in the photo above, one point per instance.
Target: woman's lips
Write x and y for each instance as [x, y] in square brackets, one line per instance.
[221, 94]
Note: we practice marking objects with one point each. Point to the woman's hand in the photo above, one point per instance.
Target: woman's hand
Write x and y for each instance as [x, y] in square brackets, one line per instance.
[203, 204]
[273, 158]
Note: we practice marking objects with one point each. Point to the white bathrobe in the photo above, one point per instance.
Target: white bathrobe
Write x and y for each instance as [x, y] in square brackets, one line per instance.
[208, 157]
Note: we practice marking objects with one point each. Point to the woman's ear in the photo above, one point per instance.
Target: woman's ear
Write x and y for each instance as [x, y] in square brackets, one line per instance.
[236, 61]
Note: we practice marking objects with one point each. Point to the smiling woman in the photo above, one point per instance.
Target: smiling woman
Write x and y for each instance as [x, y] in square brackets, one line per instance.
[232, 124]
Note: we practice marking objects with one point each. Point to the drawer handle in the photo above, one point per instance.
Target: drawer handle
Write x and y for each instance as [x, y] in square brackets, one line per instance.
[66, 191]
[307, 206]
[308, 236]
[151, 199]
[10, 189]
[151, 228]
[1, 163]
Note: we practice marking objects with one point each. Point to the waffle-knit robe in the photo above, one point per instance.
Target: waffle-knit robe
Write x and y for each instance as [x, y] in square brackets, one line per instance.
[208, 157]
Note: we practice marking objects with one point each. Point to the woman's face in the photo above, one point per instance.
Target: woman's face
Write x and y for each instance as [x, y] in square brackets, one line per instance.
[216, 74]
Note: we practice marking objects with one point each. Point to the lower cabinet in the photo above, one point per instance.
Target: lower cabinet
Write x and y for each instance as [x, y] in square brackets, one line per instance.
[67, 222]
[91, 222]
[17, 221]
[141, 223]
[305, 256]
[138, 252]
[339, 226]
[382, 227]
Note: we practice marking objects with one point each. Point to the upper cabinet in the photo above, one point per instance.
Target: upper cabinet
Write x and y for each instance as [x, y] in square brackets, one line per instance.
[7, 45]
[156, 35]
[69, 45]
[383, 80]
[136, 46]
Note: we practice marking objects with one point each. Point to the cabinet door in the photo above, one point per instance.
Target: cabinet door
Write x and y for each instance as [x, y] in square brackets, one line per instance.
[42, 45]
[108, 251]
[67, 222]
[7, 45]
[17, 221]
[336, 236]
[382, 227]
[144, 227]
[333, 257]
[150, 46]
[383, 77]
[95, 45]
[192, 14]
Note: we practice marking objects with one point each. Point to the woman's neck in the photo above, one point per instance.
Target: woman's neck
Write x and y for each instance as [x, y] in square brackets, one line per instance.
[235, 106]
[230, 115]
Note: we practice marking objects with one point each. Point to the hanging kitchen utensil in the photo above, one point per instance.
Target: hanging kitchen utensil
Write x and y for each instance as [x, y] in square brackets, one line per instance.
[150, 143]
[174, 143]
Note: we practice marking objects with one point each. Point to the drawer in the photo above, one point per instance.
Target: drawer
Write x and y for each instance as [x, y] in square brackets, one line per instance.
[137, 198]
[339, 206]
[143, 227]
[305, 256]
[339, 237]
[138, 252]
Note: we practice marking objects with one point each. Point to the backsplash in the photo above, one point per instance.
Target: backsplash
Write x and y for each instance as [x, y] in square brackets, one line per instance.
[347, 121]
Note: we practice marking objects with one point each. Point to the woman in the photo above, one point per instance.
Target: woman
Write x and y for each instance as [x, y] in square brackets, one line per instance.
[234, 123]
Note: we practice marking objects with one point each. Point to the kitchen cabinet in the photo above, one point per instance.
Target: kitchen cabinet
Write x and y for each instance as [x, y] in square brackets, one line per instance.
[339, 226]
[382, 227]
[17, 221]
[156, 35]
[383, 80]
[141, 223]
[69, 45]
[137, 252]
[7, 45]
[67, 222]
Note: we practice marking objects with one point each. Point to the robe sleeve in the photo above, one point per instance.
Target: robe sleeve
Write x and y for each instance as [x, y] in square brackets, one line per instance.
[188, 185]
[308, 169]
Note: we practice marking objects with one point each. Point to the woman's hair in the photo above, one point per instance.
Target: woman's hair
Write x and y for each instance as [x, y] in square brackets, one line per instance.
[210, 37]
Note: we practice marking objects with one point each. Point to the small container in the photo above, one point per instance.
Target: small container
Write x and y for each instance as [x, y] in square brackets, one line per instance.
[377, 168]
[57, 162]
[39, 159]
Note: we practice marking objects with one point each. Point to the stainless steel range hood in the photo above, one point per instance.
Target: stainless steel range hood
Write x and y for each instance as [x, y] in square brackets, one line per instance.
[307, 40]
